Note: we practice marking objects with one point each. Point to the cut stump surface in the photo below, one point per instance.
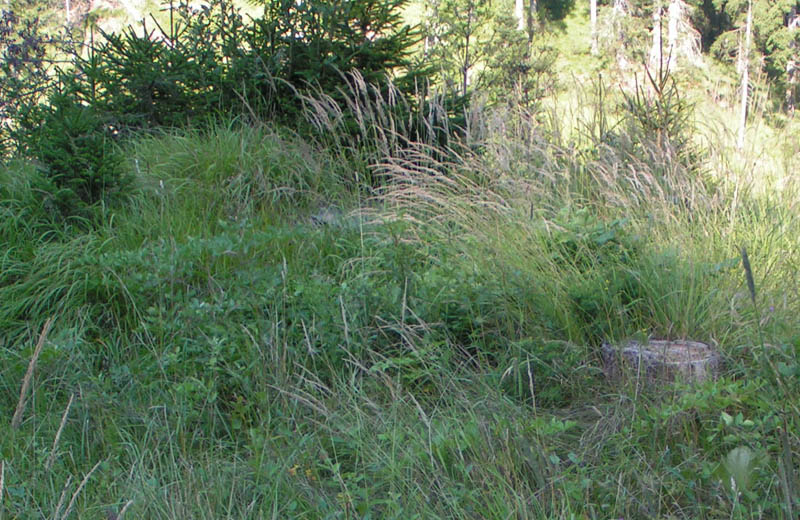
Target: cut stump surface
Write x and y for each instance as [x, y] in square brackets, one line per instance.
[661, 360]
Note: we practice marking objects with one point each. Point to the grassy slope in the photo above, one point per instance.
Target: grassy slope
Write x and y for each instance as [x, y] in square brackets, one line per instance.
[434, 356]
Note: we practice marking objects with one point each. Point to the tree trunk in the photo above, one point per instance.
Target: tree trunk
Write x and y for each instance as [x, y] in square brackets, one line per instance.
[466, 64]
[532, 8]
[659, 362]
[593, 16]
[656, 50]
[745, 77]
[672, 33]
[793, 64]
[519, 14]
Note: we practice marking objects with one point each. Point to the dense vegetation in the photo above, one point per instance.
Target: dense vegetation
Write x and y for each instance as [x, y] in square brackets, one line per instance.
[321, 263]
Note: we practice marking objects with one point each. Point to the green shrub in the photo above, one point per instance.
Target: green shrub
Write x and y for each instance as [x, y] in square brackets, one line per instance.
[317, 43]
[163, 77]
[75, 149]
[212, 61]
[658, 112]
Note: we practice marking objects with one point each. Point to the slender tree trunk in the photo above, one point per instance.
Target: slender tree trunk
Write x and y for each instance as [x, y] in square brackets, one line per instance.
[674, 11]
[67, 9]
[532, 8]
[465, 70]
[793, 64]
[519, 14]
[593, 16]
[467, 63]
[745, 77]
[656, 50]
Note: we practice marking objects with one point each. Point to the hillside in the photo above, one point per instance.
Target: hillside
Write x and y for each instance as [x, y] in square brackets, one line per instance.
[315, 281]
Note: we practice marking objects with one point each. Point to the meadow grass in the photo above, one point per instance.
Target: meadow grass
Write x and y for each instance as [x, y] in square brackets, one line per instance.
[431, 352]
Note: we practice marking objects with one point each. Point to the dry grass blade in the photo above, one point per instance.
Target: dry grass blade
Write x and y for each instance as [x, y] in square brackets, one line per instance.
[425, 188]
[306, 399]
[2, 479]
[26, 382]
[113, 516]
[52, 456]
[125, 508]
[61, 499]
[78, 491]
[786, 470]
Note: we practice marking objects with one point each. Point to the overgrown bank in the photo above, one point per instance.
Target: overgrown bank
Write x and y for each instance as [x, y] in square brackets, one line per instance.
[430, 352]
[387, 316]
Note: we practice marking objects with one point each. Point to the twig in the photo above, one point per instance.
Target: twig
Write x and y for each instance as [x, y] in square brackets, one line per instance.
[26, 382]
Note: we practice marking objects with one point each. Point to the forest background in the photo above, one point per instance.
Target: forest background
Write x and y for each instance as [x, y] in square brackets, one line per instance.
[359, 259]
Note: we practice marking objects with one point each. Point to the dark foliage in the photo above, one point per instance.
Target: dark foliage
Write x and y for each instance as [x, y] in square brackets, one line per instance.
[202, 64]
[212, 60]
[316, 43]
[24, 67]
[75, 149]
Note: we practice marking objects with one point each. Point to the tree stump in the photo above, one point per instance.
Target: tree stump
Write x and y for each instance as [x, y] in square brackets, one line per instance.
[661, 360]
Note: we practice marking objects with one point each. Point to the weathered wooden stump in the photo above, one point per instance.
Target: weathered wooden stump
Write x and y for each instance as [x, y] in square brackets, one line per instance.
[661, 360]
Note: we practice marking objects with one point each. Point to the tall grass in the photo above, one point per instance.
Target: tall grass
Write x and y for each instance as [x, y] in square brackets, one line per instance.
[231, 171]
